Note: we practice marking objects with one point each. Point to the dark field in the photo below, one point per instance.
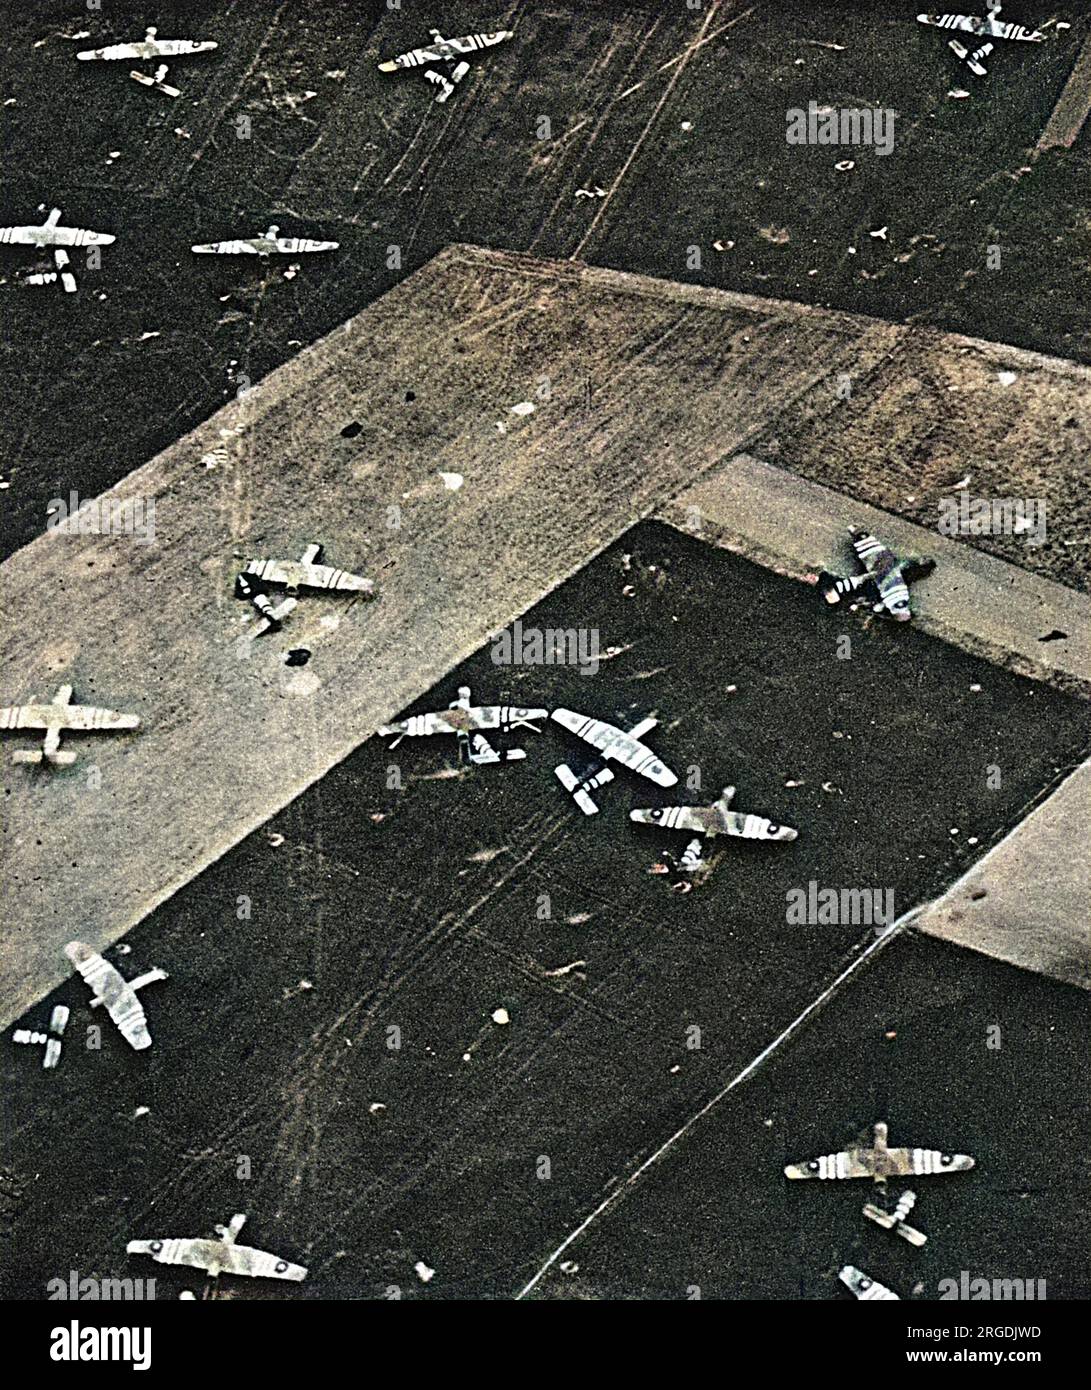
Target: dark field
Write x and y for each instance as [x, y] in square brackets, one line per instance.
[421, 909]
[335, 148]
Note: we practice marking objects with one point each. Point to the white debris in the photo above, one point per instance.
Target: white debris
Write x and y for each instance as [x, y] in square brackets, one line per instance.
[845, 165]
[182, 132]
[376, 1107]
[501, 1016]
[880, 234]
[141, 1110]
[145, 336]
[596, 192]
[565, 969]
[954, 829]
[524, 408]
[687, 125]
[190, 1297]
[1007, 378]
[975, 688]
[722, 245]
[973, 840]
[452, 481]
[276, 840]
[963, 482]
[792, 783]
[422, 1271]
[568, 1267]
[958, 94]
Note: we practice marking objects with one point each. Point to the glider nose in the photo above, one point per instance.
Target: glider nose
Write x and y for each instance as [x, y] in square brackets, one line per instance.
[783, 833]
[662, 776]
[644, 817]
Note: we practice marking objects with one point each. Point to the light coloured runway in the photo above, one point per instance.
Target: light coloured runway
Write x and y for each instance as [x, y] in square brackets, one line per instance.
[395, 443]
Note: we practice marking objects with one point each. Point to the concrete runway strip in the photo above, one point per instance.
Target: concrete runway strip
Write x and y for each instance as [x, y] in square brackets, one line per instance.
[639, 387]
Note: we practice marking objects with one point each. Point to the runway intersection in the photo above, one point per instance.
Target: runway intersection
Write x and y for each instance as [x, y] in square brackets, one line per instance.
[305, 908]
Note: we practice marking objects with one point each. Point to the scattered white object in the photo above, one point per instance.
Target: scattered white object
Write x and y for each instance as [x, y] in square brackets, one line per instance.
[565, 969]
[568, 1267]
[687, 125]
[422, 1271]
[722, 245]
[845, 164]
[141, 1110]
[1006, 378]
[958, 94]
[376, 1107]
[452, 481]
[501, 1016]
[596, 192]
[524, 408]
[880, 234]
